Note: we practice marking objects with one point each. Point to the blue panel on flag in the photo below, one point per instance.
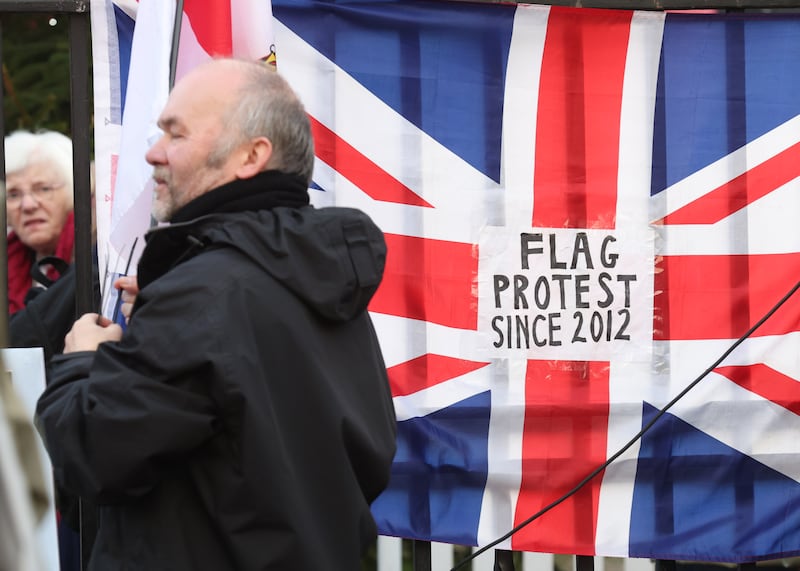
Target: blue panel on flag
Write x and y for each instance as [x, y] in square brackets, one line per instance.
[442, 69]
[722, 82]
[441, 492]
[124, 26]
[696, 498]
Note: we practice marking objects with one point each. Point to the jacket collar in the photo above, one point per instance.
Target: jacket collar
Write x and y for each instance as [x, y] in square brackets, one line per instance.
[182, 239]
[266, 190]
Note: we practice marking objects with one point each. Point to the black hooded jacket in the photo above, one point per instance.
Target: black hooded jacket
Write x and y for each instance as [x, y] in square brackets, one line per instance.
[244, 421]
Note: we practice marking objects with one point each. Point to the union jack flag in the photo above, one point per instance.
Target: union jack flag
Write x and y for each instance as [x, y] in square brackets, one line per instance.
[584, 209]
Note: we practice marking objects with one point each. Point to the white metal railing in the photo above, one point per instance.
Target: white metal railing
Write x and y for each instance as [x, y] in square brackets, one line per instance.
[390, 558]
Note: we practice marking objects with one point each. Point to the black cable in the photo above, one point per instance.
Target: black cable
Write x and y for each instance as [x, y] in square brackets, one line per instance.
[638, 436]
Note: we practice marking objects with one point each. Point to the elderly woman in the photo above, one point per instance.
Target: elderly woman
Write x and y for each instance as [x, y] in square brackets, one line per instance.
[38, 209]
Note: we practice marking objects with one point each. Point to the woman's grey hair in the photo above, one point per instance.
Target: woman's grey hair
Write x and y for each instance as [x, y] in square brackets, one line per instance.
[266, 106]
[23, 148]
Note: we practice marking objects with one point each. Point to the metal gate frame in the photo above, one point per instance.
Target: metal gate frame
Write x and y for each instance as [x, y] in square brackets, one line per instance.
[80, 127]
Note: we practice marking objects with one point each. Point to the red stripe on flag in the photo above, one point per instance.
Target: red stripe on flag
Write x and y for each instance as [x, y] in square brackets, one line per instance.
[113, 183]
[427, 371]
[741, 191]
[578, 119]
[211, 22]
[430, 280]
[766, 382]
[565, 437]
[701, 297]
[359, 170]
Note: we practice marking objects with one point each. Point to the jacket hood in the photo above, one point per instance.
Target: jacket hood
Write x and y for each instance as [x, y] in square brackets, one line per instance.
[331, 258]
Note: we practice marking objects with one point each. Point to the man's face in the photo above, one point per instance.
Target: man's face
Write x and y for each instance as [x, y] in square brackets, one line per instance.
[192, 125]
[38, 203]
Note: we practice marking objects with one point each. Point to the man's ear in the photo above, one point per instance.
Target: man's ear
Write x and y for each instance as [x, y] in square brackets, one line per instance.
[258, 154]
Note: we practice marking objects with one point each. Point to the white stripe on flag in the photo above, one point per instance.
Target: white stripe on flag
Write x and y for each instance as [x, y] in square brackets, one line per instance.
[389, 140]
[508, 382]
[770, 433]
[191, 53]
[148, 88]
[762, 218]
[251, 28]
[128, 6]
[504, 450]
[626, 377]
[523, 73]
[251, 34]
[105, 70]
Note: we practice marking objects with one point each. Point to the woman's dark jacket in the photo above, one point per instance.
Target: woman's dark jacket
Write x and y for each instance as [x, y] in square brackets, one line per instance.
[49, 313]
[244, 421]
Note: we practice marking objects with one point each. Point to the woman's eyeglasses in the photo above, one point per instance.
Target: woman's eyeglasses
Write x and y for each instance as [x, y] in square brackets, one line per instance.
[40, 193]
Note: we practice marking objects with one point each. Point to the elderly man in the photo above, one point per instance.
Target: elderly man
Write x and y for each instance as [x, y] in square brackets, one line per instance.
[244, 419]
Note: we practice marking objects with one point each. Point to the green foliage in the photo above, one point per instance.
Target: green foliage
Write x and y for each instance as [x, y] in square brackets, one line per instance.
[35, 71]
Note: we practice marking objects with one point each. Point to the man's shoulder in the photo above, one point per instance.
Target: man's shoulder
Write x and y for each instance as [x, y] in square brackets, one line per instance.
[210, 272]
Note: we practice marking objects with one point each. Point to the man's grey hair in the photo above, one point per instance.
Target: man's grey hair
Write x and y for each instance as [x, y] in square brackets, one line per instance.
[266, 106]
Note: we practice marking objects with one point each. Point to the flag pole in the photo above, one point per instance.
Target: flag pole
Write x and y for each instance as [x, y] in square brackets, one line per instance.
[176, 40]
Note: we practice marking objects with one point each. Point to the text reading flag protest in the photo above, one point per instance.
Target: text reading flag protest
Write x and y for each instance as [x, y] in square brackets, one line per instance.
[583, 208]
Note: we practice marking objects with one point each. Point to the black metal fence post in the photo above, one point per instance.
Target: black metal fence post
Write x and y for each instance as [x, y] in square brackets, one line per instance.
[421, 555]
[503, 560]
[584, 563]
[80, 130]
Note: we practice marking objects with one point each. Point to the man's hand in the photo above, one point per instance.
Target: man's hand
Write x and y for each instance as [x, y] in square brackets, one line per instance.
[89, 331]
[129, 289]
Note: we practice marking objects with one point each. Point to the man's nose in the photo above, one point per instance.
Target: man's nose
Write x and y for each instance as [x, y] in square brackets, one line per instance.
[154, 154]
